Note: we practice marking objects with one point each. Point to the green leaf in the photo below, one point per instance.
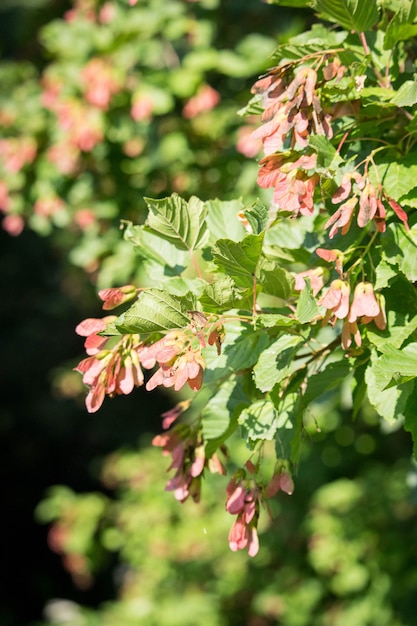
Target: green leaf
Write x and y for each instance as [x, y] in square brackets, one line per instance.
[179, 222]
[307, 308]
[218, 411]
[222, 220]
[291, 3]
[401, 248]
[275, 280]
[244, 351]
[389, 403]
[359, 15]
[276, 362]
[239, 259]
[410, 421]
[328, 378]
[327, 155]
[253, 107]
[406, 96]
[376, 95]
[290, 424]
[288, 235]
[180, 286]
[398, 177]
[154, 311]
[257, 216]
[241, 349]
[220, 295]
[384, 273]
[318, 38]
[150, 246]
[275, 320]
[399, 328]
[359, 390]
[401, 26]
[259, 422]
[395, 364]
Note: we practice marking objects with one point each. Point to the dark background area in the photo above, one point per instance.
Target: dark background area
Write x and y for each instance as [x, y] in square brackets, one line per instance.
[46, 439]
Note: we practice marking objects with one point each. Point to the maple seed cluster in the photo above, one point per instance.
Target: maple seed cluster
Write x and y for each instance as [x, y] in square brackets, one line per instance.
[292, 112]
[244, 495]
[356, 189]
[187, 450]
[365, 307]
[114, 363]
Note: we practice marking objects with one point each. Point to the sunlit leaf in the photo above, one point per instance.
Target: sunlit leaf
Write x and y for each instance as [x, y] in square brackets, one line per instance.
[222, 220]
[217, 414]
[180, 222]
[276, 362]
[359, 15]
[259, 421]
[399, 328]
[390, 403]
[398, 177]
[394, 364]
[257, 216]
[148, 245]
[406, 96]
[239, 259]
[400, 247]
[401, 26]
[154, 310]
[327, 156]
[307, 308]
[333, 375]
[219, 295]
[275, 280]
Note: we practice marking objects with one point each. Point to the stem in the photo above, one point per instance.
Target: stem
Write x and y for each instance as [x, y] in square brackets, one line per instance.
[342, 141]
[382, 81]
[364, 253]
[254, 297]
[194, 262]
[333, 344]
[364, 43]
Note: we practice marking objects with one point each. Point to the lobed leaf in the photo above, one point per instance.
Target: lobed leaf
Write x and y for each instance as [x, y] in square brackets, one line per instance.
[406, 96]
[276, 362]
[401, 26]
[154, 311]
[307, 308]
[390, 403]
[222, 220]
[400, 247]
[399, 328]
[394, 364]
[358, 15]
[218, 412]
[328, 378]
[311, 41]
[398, 177]
[259, 421]
[220, 295]
[274, 280]
[239, 259]
[179, 222]
[150, 246]
[257, 216]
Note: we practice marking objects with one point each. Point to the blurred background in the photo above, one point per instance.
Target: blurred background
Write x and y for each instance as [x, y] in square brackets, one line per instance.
[101, 104]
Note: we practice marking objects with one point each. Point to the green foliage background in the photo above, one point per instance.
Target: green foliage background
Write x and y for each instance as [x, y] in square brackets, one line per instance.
[343, 548]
